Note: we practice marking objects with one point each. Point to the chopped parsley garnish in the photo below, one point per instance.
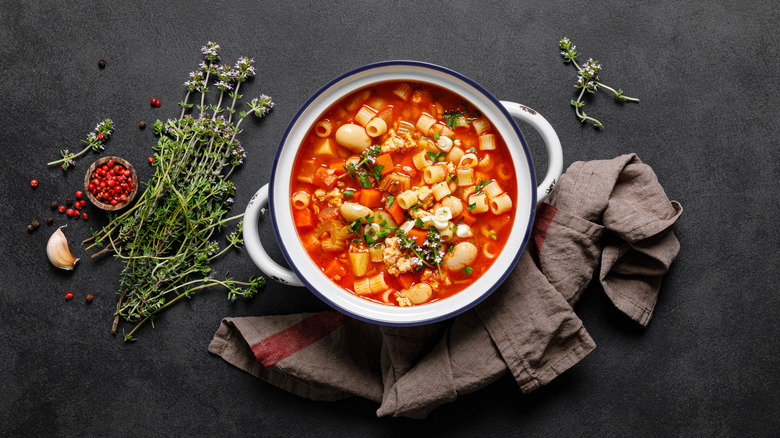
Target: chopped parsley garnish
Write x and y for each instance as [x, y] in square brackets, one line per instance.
[390, 200]
[466, 109]
[471, 149]
[362, 227]
[467, 270]
[482, 183]
[436, 156]
[493, 236]
[435, 135]
[452, 118]
[472, 206]
[348, 193]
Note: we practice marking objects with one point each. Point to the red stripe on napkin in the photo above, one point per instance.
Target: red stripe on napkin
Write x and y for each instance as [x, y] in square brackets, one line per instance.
[544, 216]
[287, 342]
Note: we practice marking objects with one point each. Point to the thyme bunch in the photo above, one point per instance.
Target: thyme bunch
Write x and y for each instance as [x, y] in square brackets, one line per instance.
[168, 238]
[587, 81]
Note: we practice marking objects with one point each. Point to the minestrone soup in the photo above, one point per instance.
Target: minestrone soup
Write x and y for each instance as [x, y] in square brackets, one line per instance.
[402, 193]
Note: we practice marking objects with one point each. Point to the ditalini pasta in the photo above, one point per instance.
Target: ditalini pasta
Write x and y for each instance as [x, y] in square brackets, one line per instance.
[402, 193]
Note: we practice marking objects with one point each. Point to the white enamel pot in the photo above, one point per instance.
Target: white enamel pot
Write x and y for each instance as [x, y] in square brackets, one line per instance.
[277, 194]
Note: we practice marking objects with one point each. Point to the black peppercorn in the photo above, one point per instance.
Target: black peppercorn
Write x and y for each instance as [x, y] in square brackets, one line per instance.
[35, 224]
[142, 124]
[102, 64]
[69, 201]
[50, 220]
[53, 205]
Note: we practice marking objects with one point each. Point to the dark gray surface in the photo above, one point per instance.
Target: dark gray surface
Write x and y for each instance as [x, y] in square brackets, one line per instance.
[706, 73]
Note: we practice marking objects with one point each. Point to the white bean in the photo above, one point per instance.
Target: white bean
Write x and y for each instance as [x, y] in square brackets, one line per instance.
[352, 211]
[353, 137]
[418, 293]
[462, 255]
[454, 204]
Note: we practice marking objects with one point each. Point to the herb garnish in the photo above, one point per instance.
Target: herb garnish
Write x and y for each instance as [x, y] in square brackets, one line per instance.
[436, 156]
[467, 270]
[452, 118]
[365, 169]
[362, 226]
[480, 185]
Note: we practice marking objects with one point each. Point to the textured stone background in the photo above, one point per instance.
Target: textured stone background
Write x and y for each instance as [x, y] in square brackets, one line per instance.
[706, 73]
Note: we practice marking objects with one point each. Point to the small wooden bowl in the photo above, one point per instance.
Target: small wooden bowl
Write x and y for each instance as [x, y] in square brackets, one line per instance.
[102, 205]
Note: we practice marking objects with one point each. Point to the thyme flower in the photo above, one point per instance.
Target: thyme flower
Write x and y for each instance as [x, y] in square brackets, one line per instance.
[211, 51]
[244, 69]
[196, 80]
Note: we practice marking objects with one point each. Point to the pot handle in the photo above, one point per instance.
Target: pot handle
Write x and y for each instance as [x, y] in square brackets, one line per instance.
[255, 248]
[551, 142]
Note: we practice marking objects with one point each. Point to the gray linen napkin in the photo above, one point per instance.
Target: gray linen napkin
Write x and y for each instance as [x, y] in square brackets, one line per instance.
[611, 213]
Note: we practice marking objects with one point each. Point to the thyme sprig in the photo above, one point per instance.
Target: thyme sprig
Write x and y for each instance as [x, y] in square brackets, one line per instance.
[587, 81]
[366, 171]
[94, 141]
[168, 238]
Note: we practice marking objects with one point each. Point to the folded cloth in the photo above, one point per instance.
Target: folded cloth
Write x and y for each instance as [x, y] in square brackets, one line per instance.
[607, 213]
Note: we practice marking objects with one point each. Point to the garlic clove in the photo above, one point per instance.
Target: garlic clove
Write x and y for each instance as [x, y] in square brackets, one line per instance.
[58, 252]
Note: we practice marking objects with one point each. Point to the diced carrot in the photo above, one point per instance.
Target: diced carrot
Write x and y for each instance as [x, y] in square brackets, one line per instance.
[418, 235]
[338, 167]
[334, 268]
[356, 196]
[467, 217]
[386, 115]
[406, 280]
[386, 161]
[407, 165]
[303, 218]
[324, 178]
[397, 212]
[370, 197]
